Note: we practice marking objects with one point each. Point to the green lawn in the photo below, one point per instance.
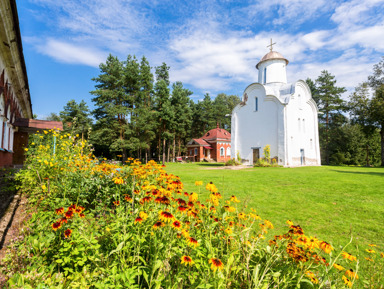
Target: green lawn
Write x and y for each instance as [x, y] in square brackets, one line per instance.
[328, 202]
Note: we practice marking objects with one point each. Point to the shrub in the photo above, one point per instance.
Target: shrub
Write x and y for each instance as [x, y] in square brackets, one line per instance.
[232, 162]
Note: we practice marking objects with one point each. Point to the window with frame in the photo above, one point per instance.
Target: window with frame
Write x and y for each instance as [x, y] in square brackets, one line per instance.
[221, 151]
[228, 151]
[256, 104]
[195, 151]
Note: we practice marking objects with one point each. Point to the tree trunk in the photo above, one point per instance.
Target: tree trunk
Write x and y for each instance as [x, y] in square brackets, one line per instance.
[146, 155]
[164, 151]
[327, 137]
[174, 148]
[179, 152]
[169, 150]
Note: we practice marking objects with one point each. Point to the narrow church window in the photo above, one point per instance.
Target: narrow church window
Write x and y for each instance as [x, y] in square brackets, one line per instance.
[299, 122]
[311, 143]
[221, 151]
[265, 75]
[195, 151]
[228, 151]
[256, 104]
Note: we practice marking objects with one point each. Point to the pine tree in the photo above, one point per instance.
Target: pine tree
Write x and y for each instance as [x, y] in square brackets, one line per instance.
[331, 105]
[76, 118]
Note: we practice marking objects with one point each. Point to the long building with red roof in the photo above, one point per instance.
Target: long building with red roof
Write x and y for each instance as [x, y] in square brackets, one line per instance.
[214, 145]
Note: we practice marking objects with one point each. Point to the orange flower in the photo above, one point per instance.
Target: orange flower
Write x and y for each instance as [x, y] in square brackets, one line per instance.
[128, 198]
[348, 256]
[176, 224]
[67, 233]
[81, 215]
[216, 264]
[338, 267]
[69, 214]
[182, 208]
[234, 199]
[347, 281]
[192, 242]
[193, 197]
[351, 274]
[59, 211]
[166, 216]
[56, 225]
[158, 224]
[370, 251]
[198, 183]
[138, 220]
[326, 247]
[63, 220]
[186, 260]
[116, 203]
[144, 200]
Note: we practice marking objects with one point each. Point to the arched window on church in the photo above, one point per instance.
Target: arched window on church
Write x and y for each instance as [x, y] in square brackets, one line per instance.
[256, 104]
[221, 151]
[228, 151]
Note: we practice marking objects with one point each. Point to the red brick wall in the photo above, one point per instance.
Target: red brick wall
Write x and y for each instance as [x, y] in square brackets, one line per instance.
[216, 151]
[5, 159]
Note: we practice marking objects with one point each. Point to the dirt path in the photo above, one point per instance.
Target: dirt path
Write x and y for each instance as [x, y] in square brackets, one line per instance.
[12, 215]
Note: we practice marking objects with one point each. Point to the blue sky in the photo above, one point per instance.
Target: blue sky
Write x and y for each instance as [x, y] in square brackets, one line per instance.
[211, 46]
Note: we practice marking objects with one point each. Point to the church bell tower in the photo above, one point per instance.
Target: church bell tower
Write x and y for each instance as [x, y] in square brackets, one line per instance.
[272, 67]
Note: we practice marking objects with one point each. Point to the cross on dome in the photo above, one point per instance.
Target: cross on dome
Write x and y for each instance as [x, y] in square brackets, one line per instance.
[271, 45]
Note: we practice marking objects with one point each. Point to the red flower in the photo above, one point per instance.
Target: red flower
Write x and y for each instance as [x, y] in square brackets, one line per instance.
[67, 233]
[69, 214]
[56, 225]
[59, 211]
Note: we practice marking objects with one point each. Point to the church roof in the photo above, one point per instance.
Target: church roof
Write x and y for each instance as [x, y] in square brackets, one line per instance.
[272, 55]
[217, 133]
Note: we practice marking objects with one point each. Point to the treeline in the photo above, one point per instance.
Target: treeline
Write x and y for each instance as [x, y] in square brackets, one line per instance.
[142, 115]
[351, 131]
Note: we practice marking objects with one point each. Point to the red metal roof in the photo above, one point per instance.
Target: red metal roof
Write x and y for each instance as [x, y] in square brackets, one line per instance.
[200, 141]
[217, 133]
[208, 148]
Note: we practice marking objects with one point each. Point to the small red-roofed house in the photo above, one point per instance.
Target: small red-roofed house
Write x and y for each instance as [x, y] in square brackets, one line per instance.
[214, 145]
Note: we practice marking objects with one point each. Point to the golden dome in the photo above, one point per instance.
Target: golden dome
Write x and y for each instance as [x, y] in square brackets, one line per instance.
[272, 55]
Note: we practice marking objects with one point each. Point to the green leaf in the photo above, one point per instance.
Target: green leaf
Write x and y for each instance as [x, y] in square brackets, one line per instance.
[118, 248]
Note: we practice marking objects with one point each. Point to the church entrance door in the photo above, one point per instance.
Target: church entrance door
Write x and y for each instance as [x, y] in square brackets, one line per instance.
[256, 155]
[302, 157]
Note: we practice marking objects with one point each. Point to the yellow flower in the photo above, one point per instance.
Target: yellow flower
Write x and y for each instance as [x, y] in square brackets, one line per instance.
[26, 149]
[216, 264]
[370, 251]
[290, 223]
[228, 231]
[186, 260]
[234, 199]
[327, 248]
[198, 183]
[347, 281]
[143, 215]
[193, 197]
[338, 267]
[348, 256]
[211, 187]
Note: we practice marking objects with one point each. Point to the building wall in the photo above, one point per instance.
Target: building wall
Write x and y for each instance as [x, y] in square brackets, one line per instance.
[252, 129]
[302, 128]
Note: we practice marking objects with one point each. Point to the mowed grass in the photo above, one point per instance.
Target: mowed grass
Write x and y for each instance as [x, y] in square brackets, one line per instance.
[331, 203]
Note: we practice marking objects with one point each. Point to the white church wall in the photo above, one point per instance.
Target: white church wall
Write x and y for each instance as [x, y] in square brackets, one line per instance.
[302, 129]
[272, 71]
[255, 128]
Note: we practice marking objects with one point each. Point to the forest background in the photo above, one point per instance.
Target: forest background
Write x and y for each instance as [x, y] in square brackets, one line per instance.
[141, 115]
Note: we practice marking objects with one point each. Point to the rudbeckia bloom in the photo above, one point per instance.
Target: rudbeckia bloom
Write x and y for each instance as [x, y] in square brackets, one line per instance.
[186, 260]
[69, 214]
[116, 203]
[59, 211]
[338, 267]
[193, 197]
[182, 208]
[228, 231]
[351, 274]
[192, 242]
[216, 264]
[370, 251]
[348, 256]
[211, 187]
[198, 183]
[166, 216]
[56, 225]
[63, 220]
[326, 247]
[347, 281]
[67, 233]
[158, 224]
[138, 220]
[176, 225]
[234, 199]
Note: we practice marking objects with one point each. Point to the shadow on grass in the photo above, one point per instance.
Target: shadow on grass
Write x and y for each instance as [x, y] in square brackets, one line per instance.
[210, 164]
[381, 174]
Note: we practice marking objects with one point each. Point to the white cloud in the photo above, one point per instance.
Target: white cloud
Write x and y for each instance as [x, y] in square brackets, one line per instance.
[72, 53]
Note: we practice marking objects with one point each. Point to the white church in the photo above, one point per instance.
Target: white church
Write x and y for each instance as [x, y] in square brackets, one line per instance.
[276, 113]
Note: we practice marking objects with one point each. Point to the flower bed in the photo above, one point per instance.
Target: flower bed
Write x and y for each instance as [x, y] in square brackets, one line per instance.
[99, 225]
